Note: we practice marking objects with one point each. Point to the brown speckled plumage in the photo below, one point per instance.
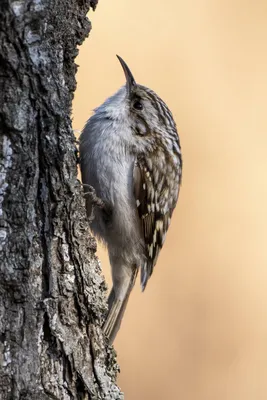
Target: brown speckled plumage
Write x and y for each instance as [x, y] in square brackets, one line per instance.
[131, 156]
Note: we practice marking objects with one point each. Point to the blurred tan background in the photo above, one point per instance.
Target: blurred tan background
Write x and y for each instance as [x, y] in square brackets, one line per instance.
[199, 332]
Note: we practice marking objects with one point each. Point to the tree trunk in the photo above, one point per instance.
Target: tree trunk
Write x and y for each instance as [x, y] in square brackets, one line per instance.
[52, 294]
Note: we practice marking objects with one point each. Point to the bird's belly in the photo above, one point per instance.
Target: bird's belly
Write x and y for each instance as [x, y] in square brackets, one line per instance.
[121, 228]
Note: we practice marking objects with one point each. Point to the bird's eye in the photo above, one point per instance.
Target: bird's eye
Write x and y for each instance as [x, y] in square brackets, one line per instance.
[138, 105]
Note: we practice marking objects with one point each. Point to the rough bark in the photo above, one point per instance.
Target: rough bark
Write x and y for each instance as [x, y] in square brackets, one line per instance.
[52, 294]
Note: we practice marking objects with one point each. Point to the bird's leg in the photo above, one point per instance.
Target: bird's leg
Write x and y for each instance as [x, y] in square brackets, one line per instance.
[92, 200]
[117, 302]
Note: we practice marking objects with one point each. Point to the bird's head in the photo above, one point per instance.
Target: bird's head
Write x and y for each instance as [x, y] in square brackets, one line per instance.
[138, 107]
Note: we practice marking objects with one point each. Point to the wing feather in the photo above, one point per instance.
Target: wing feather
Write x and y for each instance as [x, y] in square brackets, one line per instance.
[154, 209]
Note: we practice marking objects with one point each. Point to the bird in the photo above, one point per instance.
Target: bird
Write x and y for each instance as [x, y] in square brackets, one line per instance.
[130, 159]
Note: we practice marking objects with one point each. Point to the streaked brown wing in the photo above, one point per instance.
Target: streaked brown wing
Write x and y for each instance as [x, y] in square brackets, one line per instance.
[154, 221]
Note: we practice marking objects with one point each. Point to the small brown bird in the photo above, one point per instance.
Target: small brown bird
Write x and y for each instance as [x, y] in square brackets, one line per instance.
[131, 157]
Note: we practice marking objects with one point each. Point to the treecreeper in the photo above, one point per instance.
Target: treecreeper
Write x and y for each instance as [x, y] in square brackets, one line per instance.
[131, 162]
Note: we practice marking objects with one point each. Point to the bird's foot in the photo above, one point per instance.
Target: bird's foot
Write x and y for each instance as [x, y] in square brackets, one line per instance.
[94, 199]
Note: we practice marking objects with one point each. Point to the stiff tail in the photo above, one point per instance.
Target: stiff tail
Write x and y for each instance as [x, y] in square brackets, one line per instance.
[116, 309]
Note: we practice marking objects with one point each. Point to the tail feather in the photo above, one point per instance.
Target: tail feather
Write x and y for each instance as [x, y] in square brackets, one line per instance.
[116, 309]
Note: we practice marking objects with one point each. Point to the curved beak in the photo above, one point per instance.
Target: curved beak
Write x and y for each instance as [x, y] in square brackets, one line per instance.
[130, 82]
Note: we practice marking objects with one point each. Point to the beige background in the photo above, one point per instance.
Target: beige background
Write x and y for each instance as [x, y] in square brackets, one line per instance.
[199, 331]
